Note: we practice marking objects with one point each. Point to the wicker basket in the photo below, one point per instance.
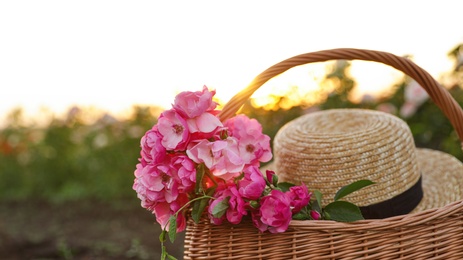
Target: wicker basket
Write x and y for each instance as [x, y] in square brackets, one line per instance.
[431, 234]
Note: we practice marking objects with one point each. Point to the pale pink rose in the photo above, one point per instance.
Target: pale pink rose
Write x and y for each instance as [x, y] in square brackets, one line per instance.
[144, 194]
[253, 183]
[220, 157]
[204, 123]
[254, 146]
[148, 193]
[236, 205]
[193, 104]
[275, 211]
[156, 183]
[387, 108]
[299, 197]
[152, 150]
[227, 160]
[201, 153]
[174, 130]
[408, 109]
[414, 93]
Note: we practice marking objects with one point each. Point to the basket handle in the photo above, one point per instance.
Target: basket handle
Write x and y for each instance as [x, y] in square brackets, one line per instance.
[438, 94]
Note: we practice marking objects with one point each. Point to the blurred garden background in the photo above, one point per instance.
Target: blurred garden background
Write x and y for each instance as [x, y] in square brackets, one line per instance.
[65, 186]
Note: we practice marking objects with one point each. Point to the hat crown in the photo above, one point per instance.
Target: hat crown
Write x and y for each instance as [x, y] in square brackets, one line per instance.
[329, 149]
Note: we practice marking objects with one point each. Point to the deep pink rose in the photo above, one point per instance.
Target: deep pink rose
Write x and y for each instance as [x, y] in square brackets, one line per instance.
[299, 197]
[269, 174]
[193, 104]
[164, 210]
[174, 130]
[315, 215]
[257, 221]
[175, 206]
[254, 146]
[236, 205]
[275, 211]
[253, 184]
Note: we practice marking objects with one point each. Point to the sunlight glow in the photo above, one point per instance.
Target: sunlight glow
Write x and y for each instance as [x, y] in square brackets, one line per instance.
[113, 54]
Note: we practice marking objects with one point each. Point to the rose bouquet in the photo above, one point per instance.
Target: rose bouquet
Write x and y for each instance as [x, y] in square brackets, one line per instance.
[194, 165]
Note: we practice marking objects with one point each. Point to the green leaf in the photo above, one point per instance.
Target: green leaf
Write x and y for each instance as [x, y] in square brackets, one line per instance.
[275, 180]
[219, 210]
[318, 196]
[199, 178]
[254, 204]
[162, 236]
[300, 216]
[284, 186]
[200, 205]
[343, 211]
[348, 189]
[172, 228]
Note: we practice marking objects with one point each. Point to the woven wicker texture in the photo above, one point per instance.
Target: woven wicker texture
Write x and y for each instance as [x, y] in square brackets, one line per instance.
[435, 231]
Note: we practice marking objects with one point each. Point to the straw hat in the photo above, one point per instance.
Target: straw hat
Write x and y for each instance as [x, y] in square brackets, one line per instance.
[329, 149]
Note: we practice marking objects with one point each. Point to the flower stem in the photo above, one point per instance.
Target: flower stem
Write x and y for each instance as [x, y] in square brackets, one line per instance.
[191, 201]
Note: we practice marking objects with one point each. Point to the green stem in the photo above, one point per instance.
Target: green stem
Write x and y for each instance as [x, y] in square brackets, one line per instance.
[208, 173]
[191, 201]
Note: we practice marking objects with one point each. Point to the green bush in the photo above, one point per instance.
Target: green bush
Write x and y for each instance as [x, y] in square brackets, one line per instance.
[70, 159]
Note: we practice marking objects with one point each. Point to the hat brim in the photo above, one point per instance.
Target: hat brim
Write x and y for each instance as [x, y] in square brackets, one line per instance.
[442, 178]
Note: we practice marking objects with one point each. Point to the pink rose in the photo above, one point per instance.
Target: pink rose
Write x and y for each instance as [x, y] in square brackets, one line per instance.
[175, 206]
[236, 205]
[257, 220]
[299, 197]
[275, 211]
[253, 184]
[148, 190]
[220, 157]
[156, 183]
[408, 109]
[204, 123]
[186, 172]
[174, 130]
[416, 94]
[193, 104]
[164, 210]
[254, 146]
[152, 150]
[315, 215]
[387, 108]
[269, 174]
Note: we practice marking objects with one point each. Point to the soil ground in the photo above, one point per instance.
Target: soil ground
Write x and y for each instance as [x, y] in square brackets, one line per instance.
[80, 230]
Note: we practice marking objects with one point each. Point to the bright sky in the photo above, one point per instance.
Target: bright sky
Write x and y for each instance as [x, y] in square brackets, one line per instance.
[112, 54]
